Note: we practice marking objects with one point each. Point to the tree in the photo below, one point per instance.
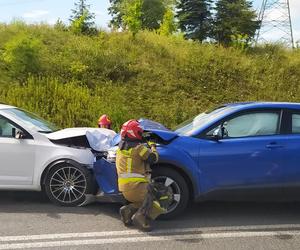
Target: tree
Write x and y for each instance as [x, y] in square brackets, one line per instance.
[132, 13]
[194, 18]
[234, 18]
[115, 11]
[60, 25]
[152, 13]
[82, 20]
[168, 26]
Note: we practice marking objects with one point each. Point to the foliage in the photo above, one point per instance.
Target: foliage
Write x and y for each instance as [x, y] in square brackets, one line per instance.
[153, 13]
[132, 14]
[240, 41]
[168, 26]
[165, 78]
[57, 101]
[150, 16]
[60, 25]
[234, 17]
[115, 12]
[194, 18]
[21, 55]
[82, 20]
[79, 26]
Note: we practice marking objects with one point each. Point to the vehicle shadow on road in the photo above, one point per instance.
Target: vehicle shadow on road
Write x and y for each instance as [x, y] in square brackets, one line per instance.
[237, 214]
[207, 214]
[37, 202]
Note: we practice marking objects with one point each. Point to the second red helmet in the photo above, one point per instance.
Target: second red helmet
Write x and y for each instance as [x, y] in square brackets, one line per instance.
[132, 130]
[104, 122]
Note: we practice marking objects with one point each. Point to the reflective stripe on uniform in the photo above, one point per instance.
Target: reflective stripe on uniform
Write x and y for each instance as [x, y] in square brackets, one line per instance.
[129, 165]
[125, 152]
[131, 175]
[143, 151]
[158, 207]
[164, 198]
[134, 179]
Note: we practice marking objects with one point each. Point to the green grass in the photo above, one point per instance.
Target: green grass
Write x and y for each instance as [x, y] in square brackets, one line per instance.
[71, 79]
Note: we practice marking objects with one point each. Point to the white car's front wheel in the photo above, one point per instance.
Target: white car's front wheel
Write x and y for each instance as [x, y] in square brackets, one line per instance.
[66, 184]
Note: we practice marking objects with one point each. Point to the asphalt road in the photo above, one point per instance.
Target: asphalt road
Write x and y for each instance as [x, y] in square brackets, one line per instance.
[29, 221]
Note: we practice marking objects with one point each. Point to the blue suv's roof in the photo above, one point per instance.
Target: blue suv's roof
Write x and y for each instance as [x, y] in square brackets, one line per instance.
[265, 105]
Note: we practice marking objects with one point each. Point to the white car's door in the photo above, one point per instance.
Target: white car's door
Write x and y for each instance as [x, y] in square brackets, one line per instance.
[17, 156]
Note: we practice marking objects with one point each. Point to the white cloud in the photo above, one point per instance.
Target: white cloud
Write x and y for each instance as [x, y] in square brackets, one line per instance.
[35, 14]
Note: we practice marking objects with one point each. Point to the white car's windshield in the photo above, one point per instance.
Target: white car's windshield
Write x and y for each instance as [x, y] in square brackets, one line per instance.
[193, 124]
[31, 120]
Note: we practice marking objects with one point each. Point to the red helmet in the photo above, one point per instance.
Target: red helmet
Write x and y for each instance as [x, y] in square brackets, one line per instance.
[132, 130]
[104, 122]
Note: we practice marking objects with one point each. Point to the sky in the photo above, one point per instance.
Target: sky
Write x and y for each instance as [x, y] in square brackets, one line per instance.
[34, 11]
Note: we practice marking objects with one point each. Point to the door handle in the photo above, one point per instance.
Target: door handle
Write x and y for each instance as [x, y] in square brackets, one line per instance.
[273, 145]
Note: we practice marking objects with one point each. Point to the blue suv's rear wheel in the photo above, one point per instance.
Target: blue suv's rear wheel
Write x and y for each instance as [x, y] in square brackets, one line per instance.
[177, 187]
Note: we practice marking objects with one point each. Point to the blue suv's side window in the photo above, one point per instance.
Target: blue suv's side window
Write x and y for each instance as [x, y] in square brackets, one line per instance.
[296, 123]
[253, 124]
[256, 123]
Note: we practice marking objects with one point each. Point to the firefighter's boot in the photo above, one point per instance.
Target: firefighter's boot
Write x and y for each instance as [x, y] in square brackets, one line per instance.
[141, 222]
[126, 212]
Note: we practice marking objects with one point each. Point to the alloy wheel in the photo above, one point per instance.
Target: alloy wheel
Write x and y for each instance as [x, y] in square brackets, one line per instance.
[68, 184]
[174, 190]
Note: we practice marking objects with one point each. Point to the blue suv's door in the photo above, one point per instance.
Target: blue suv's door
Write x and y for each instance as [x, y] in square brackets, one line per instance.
[249, 155]
[291, 149]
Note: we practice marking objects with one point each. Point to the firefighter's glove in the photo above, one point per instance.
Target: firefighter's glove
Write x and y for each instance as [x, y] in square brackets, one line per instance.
[152, 145]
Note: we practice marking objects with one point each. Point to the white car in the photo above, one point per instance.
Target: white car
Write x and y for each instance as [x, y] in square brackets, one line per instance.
[35, 156]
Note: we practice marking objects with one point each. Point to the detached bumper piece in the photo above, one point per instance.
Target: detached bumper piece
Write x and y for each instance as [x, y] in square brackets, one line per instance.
[107, 181]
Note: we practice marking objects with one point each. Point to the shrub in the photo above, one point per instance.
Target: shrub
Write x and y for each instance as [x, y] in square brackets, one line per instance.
[21, 55]
[74, 79]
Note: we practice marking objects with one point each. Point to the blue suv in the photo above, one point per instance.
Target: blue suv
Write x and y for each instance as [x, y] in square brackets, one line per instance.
[239, 151]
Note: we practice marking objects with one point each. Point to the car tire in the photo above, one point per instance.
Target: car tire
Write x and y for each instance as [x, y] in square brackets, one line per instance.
[177, 185]
[67, 184]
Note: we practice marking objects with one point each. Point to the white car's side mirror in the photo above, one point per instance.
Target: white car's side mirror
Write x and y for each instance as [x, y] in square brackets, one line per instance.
[20, 135]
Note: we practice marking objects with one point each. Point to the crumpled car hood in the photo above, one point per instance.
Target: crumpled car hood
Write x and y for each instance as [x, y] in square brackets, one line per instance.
[157, 129]
[98, 139]
[67, 133]
[101, 139]
[150, 125]
[164, 135]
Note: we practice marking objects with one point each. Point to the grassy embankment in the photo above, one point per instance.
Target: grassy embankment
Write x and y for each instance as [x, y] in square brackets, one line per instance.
[71, 79]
